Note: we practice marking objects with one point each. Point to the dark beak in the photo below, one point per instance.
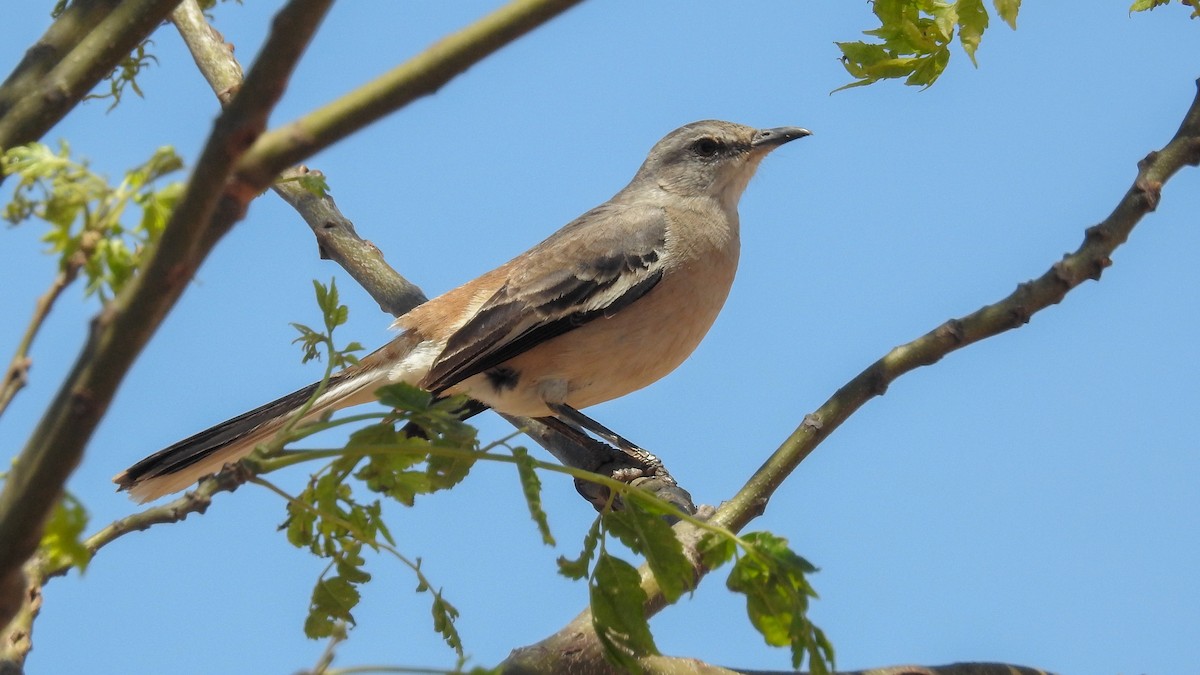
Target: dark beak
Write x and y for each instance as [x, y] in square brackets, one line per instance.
[771, 138]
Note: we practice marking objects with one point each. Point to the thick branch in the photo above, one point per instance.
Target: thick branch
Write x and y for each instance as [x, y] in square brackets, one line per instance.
[75, 22]
[339, 241]
[334, 232]
[214, 200]
[35, 98]
[420, 76]
[207, 209]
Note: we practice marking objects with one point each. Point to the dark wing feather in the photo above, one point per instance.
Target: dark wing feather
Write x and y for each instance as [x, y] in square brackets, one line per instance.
[592, 268]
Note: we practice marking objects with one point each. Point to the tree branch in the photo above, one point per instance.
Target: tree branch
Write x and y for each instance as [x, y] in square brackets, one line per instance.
[36, 96]
[217, 195]
[576, 648]
[420, 76]
[208, 208]
[335, 232]
[17, 374]
[75, 22]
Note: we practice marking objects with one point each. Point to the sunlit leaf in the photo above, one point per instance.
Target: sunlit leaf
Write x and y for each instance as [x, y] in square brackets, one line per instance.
[531, 488]
[618, 612]
[648, 534]
[578, 568]
[973, 20]
[61, 540]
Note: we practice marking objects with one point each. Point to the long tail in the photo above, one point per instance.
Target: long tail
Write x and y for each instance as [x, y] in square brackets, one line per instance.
[176, 467]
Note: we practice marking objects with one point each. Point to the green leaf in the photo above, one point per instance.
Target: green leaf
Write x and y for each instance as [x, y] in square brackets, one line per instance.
[716, 549]
[618, 612]
[85, 212]
[444, 615]
[1008, 9]
[1145, 5]
[332, 599]
[314, 182]
[578, 568]
[929, 69]
[771, 576]
[531, 487]
[405, 397]
[972, 21]
[61, 543]
[647, 533]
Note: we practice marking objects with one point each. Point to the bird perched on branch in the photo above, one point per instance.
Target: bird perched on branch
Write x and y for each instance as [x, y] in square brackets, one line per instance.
[610, 303]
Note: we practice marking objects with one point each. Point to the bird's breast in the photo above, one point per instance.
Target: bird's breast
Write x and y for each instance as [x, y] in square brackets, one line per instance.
[609, 357]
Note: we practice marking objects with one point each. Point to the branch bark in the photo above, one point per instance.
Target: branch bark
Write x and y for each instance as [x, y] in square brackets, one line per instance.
[216, 197]
[79, 49]
[208, 208]
[575, 648]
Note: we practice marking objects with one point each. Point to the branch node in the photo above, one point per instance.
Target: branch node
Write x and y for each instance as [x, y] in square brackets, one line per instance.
[952, 330]
[877, 382]
[1099, 264]
[1150, 190]
[1097, 234]
[812, 422]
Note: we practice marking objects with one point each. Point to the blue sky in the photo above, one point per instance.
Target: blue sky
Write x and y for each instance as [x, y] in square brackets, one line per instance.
[1033, 499]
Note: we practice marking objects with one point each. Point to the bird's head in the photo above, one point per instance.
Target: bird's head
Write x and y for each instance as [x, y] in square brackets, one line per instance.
[711, 159]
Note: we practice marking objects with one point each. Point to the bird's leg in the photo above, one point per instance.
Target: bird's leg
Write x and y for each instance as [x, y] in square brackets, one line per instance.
[574, 418]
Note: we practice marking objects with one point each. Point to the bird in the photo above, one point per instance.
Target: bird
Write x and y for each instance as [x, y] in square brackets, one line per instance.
[610, 303]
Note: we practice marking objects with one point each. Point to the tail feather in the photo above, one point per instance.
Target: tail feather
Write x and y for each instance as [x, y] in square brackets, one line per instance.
[176, 467]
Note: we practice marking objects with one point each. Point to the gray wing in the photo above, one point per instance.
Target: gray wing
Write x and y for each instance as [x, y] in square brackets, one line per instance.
[587, 271]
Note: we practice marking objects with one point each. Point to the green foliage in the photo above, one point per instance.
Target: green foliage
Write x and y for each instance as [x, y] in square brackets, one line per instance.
[531, 488]
[641, 527]
[1146, 5]
[914, 39]
[766, 571]
[313, 182]
[85, 213]
[125, 75]
[771, 577]
[619, 612]
[61, 544]
[334, 314]
[333, 523]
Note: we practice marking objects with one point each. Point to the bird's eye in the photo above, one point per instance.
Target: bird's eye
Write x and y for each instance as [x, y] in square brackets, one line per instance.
[706, 147]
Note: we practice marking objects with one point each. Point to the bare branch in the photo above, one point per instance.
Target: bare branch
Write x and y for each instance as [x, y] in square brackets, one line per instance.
[17, 374]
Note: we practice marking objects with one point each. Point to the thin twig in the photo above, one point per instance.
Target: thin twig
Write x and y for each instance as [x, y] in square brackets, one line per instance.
[17, 375]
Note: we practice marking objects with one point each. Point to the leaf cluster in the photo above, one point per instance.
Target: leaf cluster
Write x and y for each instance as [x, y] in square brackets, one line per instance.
[1146, 5]
[333, 523]
[390, 459]
[314, 342]
[62, 541]
[766, 571]
[914, 38]
[85, 212]
[125, 75]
